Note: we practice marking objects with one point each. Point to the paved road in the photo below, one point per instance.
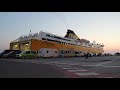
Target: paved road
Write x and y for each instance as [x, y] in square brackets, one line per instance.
[15, 69]
[76, 67]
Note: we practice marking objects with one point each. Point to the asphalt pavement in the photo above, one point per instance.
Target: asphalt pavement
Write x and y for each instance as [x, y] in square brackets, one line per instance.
[12, 69]
[74, 67]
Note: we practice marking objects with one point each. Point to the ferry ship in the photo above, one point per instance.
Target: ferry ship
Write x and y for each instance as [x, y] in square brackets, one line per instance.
[67, 45]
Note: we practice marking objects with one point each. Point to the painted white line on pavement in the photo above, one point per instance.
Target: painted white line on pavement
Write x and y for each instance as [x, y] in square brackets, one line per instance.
[106, 62]
[87, 65]
[111, 66]
[73, 64]
[62, 66]
[105, 77]
[87, 73]
[101, 66]
[76, 70]
[60, 63]
[69, 68]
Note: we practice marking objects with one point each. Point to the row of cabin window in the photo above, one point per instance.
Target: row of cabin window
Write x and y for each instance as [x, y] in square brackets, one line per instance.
[54, 41]
[58, 41]
[28, 36]
[66, 43]
[63, 43]
[57, 37]
[62, 52]
[78, 52]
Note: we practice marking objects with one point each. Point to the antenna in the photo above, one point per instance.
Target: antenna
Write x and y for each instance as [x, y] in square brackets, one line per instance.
[30, 32]
[29, 25]
[94, 41]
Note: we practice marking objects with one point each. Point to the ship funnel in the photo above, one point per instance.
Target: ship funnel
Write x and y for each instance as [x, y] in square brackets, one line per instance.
[71, 34]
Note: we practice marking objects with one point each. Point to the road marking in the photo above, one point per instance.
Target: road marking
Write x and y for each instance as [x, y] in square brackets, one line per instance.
[88, 65]
[106, 62]
[76, 70]
[87, 73]
[69, 68]
[110, 66]
[101, 66]
[74, 64]
[105, 77]
[60, 63]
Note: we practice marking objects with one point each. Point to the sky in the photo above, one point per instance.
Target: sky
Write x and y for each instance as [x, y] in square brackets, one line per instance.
[102, 27]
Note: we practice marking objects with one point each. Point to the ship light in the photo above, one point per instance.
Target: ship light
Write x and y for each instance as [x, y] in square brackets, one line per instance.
[16, 45]
[26, 44]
